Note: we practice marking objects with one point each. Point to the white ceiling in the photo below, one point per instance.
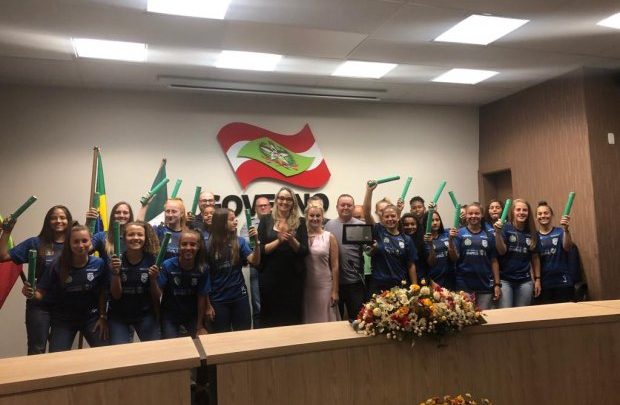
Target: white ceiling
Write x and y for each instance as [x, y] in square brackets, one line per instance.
[314, 36]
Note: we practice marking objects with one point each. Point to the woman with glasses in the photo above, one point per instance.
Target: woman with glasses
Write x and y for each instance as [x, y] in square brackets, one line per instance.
[284, 240]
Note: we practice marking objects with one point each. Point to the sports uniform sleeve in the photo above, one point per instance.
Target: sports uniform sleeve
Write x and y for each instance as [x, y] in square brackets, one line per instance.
[204, 285]
[162, 278]
[19, 253]
[244, 250]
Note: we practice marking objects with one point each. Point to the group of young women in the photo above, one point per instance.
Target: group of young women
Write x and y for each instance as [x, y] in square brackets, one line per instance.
[501, 264]
[83, 284]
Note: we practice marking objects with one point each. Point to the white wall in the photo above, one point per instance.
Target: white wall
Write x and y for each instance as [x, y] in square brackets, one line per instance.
[47, 136]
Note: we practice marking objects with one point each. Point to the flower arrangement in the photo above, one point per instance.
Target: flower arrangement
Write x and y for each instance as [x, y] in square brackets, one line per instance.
[416, 311]
[458, 400]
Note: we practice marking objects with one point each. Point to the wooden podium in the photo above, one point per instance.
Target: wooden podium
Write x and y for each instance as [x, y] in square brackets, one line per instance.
[551, 354]
[139, 373]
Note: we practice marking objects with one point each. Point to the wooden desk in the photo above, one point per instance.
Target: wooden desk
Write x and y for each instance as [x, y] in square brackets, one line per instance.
[553, 354]
[138, 373]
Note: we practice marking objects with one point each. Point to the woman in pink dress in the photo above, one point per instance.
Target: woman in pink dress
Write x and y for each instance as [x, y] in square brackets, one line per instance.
[321, 284]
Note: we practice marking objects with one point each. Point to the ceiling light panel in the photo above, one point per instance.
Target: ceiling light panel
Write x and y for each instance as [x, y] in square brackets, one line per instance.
[371, 70]
[480, 29]
[214, 9]
[464, 76]
[611, 22]
[248, 60]
[115, 50]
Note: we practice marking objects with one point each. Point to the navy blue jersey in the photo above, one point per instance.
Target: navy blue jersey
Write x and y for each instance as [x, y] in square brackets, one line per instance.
[443, 271]
[227, 282]
[390, 262]
[173, 246]
[136, 301]
[45, 258]
[515, 264]
[180, 290]
[476, 252]
[77, 299]
[488, 227]
[554, 269]
[205, 236]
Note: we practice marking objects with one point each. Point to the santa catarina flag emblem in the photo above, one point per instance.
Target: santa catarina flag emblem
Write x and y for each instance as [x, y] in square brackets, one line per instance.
[256, 153]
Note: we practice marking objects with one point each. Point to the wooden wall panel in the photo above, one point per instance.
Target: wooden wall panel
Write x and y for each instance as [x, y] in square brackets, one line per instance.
[541, 135]
[602, 91]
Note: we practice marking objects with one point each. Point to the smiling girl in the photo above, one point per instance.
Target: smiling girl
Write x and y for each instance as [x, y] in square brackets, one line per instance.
[393, 254]
[135, 296]
[519, 263]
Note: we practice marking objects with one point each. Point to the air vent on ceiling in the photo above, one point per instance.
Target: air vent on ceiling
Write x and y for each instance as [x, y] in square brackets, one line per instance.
[185, 83]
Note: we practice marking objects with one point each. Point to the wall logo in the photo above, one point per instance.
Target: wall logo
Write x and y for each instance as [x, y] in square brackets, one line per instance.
[256, 153]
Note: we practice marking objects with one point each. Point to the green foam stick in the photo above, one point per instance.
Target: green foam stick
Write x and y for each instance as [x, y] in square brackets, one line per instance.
[429, 221]
[569, 203]
[248, 221]
[117, 238]
[406, 188]
[453, 198]
[23, 208]
[438, 193]
[177, 186]
[163, 248]
[144, 200]
[387, 179]
[457, 217]
[32, 266]
[196, 198]
[506, 209]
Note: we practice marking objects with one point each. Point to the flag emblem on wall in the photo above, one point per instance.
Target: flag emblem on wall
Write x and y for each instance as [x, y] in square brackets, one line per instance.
[256, 153]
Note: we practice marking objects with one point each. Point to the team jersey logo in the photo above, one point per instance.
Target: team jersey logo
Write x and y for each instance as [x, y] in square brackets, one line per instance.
[90, 276]
[485, 243]
[512, 238]
[124, 277]
[194, 281]
[445, 242]
[386, 240]
[68, 279]
[528, 241]
[467, 242]
[177, 281]
[554, 241]
[401, 244]
[553, 251]
[144, 277]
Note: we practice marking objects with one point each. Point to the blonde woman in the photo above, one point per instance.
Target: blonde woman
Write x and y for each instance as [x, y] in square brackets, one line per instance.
[321, 282]
[284, 240]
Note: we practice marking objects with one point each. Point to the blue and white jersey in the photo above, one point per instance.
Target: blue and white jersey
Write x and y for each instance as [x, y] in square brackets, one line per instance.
[515, 264]
[135, 301]
[77, 298]
[442, 272]
[554, 269]
[173, 246]
[180, 290]
[390, 262]
[476, 252]
[227, 282]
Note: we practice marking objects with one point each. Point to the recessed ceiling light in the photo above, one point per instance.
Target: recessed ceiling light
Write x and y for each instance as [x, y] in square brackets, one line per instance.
[215, 9]
[116, 50]
[480, 29]
[464, 76]
[247, 60]
[611, 22]
[372, 70]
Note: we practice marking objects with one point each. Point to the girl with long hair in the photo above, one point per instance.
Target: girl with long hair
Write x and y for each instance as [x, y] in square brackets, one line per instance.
[134, 303]
[322, 272]
[440, 268]
[103, 242]
[553, 245]
[284, 240]
[519, 263]
[473, 251]
[78, 282]
[184, 285]
[492, 214]
[48, 244]
[393, 253]
[226, 254]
